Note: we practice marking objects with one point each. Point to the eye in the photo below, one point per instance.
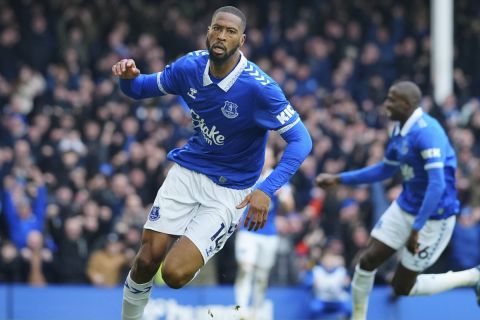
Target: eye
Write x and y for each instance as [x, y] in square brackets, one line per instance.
[232, 31]
[215, 28]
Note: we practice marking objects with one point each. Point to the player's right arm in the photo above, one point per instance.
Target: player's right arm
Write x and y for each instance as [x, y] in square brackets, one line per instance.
[140, 86]
[377, 172]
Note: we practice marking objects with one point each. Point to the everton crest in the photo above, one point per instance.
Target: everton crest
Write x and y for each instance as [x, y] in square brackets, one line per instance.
[154, 214]
[229, 110]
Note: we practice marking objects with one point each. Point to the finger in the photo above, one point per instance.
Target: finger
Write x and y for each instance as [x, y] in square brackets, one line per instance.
[264, 221]
[247, 218]
[119, 68]
[244, 203]
[252, 223]
[124, 65]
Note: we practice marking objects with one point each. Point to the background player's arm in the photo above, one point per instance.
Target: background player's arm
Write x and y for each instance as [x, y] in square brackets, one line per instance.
[377, 172]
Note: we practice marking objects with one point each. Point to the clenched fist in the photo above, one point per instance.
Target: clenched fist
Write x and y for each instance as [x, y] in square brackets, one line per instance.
[325, 180]
[125, 69]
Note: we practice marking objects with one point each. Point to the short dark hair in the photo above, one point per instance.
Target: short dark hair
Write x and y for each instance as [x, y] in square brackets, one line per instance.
[235, 11]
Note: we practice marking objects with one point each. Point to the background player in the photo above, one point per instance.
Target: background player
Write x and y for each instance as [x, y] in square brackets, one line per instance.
[233, 104]
[420, 222]
[255, 252]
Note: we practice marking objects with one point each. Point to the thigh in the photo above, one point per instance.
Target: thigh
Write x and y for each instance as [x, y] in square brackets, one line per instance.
[154, 247]
[375, 254]
[433, 239]
[216, 218]
[392, 229]
[175, 203]
[184, 257]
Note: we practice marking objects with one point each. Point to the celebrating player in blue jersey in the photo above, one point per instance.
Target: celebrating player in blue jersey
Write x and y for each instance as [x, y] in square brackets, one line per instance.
[233, 105]
[256, 252]
[420, 222]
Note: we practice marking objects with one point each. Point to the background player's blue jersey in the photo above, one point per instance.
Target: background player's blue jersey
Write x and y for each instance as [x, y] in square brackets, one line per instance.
[269, 228]
[421, 145]
[231, 118]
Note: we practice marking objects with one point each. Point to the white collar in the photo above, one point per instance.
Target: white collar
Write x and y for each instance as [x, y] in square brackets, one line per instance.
[230, 79]
[417, 114]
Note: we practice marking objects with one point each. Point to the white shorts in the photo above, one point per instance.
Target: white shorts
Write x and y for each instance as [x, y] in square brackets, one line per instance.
[190, 204]
[394, 227]
[255, 249]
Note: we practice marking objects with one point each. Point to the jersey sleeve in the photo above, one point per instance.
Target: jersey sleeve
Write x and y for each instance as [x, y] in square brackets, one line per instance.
[170, 79]
[431, 145]
[157, 84]
[274, 112]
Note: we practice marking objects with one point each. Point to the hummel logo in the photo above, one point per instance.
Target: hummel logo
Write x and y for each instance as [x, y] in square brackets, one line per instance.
[192, 93]
[136, 291]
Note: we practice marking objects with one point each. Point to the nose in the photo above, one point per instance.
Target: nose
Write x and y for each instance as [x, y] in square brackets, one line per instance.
[222, 34]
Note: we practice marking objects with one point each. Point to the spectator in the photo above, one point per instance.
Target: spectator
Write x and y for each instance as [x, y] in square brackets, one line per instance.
[24, 212]
[105, 266]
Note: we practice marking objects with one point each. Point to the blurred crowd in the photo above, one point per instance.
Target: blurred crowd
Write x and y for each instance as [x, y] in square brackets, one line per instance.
[80, 163]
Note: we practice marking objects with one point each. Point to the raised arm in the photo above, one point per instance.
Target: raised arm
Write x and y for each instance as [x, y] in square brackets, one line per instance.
[133, 83]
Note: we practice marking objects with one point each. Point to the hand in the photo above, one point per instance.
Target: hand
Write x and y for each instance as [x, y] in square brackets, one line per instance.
[125, 69]
[257, 214]
[326, 180]
[412, 243]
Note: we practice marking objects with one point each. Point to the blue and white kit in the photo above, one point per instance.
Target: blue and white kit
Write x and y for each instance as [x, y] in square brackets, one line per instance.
[231, 118]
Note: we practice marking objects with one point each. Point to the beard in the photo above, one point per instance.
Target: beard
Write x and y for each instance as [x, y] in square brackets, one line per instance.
[226, 55]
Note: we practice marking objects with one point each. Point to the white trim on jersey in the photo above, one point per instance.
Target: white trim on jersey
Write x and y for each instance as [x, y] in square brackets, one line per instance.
[391, 162]
[433, 165]
[416, 115]
[288, 126]
[159, 84]
[229, 80]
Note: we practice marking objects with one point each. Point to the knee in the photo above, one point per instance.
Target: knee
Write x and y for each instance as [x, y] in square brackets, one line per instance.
[147, 261]
[175, 277]
[369, 261]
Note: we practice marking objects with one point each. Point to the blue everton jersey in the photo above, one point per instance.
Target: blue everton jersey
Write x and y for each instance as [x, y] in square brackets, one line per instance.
[421, 145]
[231, 117]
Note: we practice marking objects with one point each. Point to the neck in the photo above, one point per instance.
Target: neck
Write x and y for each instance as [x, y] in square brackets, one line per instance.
[406, 117]
[221, 69]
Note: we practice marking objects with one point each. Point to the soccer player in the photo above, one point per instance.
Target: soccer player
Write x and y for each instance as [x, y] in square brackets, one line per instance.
[233, 105]
[255, 252]
[421, 220]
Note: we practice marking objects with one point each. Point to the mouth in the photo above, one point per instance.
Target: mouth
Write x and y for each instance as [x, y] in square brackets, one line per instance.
[218, 49]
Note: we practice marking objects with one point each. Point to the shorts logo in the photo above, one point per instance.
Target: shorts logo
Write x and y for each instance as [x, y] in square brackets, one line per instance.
[209, 251]
[229, 110]
[154, 214]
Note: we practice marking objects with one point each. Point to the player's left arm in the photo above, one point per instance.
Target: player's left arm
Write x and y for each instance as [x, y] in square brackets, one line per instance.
[433, 152]
[299, 145]
[276, 113]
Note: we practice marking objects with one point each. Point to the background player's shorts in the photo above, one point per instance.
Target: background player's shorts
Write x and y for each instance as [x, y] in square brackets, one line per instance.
[394, 228]
[190, 204]
[256, 249]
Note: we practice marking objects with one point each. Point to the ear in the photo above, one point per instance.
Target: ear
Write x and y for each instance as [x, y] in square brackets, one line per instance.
[242, 39]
